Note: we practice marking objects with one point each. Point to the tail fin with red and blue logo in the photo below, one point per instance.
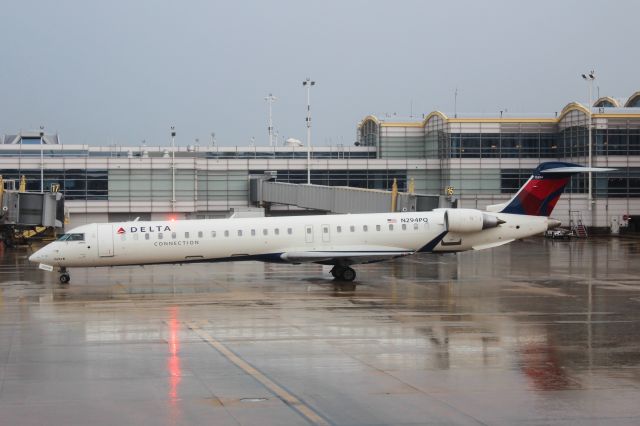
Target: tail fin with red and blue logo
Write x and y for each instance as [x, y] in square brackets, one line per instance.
[541, 192]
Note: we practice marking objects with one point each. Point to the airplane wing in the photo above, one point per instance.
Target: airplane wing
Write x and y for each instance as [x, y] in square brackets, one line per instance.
[345, 256]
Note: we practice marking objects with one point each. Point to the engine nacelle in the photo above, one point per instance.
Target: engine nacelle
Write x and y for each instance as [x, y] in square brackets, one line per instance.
[469, 220]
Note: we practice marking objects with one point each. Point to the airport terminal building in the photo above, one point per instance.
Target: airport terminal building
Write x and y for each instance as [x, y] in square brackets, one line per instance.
[483, 160]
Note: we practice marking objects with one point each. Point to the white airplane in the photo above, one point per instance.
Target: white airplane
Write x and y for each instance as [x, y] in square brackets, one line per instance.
[338, 240]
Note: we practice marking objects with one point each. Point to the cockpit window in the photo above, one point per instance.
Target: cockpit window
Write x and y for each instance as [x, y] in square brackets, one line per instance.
[72, 237]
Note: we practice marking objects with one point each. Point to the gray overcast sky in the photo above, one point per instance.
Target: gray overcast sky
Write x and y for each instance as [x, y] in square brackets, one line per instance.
[123, 71]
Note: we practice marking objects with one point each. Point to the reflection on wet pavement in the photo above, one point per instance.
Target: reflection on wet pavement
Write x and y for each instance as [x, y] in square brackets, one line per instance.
[538, 331]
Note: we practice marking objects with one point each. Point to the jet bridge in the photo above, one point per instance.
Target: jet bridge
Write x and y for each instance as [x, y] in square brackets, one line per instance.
[263, 191]
[26, 214]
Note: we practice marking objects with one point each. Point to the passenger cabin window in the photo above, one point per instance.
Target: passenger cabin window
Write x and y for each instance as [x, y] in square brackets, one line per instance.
[404, 226]
[289, 231]
[338, 228]
[308, 230]
[135, 237]
[253, 232]
[325, 229]
[226, 233]
[239, 232]
[415, 226]
[390, 227]
[186, 235]
[199, 234]
[276, 231]
[265, 231]
[377, 227]
[365, 228]
[146, 236]
[160, 235]
[173, 235]
[213, 234]
[352, 228]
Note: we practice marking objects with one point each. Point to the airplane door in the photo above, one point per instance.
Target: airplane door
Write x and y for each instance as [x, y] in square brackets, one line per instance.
[105, 240]
[326, 233]
[308, 233]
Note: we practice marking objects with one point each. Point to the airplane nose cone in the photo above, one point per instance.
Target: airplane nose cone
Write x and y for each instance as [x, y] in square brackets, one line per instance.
[34, 257]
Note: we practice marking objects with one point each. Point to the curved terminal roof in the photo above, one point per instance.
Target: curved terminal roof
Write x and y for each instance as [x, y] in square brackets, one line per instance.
[614, 109]
[633, 101]
[607, 102]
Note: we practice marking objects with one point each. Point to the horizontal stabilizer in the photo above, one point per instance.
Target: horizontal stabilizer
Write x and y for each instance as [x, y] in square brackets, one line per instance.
[576, 169]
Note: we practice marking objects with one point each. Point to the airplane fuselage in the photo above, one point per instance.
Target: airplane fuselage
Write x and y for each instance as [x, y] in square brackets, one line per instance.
[328, 239]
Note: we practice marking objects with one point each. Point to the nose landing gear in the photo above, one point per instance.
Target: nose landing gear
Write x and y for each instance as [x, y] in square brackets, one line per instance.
[343, 273]
[64, 276]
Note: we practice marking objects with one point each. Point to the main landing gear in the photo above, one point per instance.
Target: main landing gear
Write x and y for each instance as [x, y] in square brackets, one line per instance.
[64, 276]
[343, 273]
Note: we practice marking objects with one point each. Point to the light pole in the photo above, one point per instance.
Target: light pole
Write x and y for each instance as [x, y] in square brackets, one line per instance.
[173, 168]
[308, 83]
[41, 159]
[270, 100]
[589, 79]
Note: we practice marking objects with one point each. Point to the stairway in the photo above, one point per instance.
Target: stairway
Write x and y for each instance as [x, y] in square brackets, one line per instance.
[581, 230]
[575, 219]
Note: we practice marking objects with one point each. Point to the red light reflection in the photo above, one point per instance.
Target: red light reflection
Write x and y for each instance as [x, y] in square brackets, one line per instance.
[173, 363]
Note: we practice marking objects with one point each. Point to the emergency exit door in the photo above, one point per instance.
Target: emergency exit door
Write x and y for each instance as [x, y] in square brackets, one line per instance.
[105, 240]
[308, 233]
[326, 233]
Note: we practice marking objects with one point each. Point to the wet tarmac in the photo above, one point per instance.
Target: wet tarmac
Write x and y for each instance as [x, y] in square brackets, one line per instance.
[536, 332]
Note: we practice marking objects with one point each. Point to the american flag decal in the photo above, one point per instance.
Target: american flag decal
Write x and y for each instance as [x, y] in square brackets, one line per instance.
[391, 221]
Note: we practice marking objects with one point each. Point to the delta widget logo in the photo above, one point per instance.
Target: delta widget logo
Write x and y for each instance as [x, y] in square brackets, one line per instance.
[121, 230]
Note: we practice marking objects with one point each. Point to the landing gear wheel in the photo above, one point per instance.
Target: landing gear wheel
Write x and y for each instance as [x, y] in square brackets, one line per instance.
[348, 274]
[65, 278]
[335, 271]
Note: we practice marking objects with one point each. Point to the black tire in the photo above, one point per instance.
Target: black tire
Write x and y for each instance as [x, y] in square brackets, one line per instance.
[335, 271]
[348, 274]
[65, 278]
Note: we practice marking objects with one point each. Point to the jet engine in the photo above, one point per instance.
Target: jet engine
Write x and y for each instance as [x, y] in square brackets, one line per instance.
[469, 220]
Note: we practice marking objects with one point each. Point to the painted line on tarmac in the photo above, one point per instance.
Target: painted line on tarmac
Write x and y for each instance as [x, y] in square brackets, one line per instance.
[287, 397]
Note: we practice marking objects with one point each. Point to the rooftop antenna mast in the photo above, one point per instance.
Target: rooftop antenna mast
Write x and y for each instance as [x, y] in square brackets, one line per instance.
[270, 100]
[455, 103]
